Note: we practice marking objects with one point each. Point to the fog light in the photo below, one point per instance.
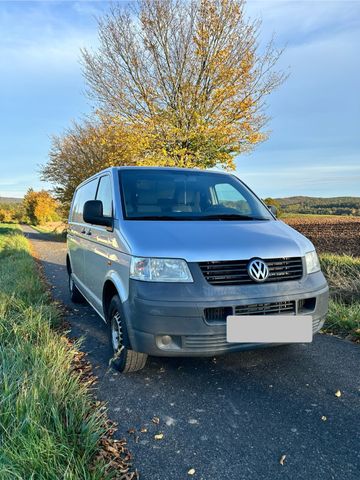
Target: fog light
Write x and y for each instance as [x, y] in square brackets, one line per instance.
[166, 339]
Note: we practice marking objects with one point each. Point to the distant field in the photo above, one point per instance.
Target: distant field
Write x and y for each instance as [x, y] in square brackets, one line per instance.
[338, 234]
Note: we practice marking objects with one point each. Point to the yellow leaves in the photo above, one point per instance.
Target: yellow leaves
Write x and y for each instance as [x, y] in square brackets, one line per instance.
[40, 206]
[338, 393]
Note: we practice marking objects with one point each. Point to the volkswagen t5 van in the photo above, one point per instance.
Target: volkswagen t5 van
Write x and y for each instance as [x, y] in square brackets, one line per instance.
[171, 258]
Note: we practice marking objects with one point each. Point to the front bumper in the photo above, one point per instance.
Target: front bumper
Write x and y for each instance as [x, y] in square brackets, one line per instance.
[154, 310]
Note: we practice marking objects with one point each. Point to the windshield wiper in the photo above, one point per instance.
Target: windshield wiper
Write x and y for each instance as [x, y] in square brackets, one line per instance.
[224, 216]
[162, 217]
[230, 216]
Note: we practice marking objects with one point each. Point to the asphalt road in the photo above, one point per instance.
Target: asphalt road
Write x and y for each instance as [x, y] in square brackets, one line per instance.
[229, 417]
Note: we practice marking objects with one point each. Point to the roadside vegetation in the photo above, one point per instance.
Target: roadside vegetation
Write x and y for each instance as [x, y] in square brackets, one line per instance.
[343, 275]
[36, 208]
[49, 424]
[55, 230]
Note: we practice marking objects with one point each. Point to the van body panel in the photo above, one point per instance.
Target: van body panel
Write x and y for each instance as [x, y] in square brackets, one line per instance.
[183, 319]
[199, 241]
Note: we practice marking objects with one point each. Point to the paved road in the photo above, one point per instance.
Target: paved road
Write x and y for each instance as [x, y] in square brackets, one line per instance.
[231, 417]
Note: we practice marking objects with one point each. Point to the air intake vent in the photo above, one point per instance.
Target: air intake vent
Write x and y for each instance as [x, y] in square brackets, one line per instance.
[266, 308]
[234, 272]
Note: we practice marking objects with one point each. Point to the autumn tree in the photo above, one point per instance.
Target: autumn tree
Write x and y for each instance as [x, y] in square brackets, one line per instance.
[275, 203]
[40, 207]
[6, 215]
[189, 75]
[175, 83]
[85, 149]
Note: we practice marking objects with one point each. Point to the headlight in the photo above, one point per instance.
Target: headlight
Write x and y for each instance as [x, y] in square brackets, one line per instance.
[160, 270]
[312, 262]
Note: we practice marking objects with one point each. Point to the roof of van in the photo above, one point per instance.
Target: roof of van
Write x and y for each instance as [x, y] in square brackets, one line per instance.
[165, 168]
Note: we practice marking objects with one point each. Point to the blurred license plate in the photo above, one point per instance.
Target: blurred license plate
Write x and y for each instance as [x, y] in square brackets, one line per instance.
[269, 328]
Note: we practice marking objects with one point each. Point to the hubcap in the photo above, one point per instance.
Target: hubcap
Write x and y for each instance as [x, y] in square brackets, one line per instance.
[116, 334]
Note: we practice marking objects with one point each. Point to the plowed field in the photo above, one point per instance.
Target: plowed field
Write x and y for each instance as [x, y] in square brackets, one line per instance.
[332, 234]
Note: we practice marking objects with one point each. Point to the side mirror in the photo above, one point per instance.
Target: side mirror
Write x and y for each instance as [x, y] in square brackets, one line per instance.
[93, 213]
[272, 209]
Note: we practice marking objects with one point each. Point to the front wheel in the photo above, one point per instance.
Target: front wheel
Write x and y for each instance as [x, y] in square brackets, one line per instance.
[124, 360]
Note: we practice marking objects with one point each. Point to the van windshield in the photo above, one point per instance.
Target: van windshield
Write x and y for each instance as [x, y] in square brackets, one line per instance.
[157, 194]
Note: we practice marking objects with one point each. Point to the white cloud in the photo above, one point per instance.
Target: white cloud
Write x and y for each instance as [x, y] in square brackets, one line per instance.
[38, 38]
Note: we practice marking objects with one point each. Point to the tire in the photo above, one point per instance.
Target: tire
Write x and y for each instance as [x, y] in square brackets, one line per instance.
[75, 295]
[124, 359]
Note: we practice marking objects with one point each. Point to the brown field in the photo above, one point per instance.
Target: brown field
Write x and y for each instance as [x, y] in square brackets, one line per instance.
[329, 233]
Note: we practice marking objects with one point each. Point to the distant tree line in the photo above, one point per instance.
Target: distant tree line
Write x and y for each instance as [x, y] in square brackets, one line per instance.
[320, 206]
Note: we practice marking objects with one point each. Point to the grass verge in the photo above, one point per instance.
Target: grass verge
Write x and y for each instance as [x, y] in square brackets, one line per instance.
[56, 232]
[343, 275]
[50, 427]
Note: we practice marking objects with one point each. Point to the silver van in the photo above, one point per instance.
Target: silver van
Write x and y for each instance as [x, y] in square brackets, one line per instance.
[172, 258]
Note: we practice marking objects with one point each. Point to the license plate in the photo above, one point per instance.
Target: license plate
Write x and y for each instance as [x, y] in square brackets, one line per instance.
[269, 328]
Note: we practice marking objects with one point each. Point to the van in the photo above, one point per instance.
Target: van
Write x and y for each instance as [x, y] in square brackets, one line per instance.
[183, 262]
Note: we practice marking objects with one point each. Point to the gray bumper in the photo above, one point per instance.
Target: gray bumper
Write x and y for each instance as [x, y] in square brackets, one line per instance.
[157, 309]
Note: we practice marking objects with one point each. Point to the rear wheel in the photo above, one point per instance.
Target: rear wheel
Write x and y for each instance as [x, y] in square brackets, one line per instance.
[75, 295]
[124, 360]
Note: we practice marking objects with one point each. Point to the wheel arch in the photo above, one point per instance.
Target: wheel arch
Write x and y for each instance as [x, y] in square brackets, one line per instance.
[68, 264]
[112, 286]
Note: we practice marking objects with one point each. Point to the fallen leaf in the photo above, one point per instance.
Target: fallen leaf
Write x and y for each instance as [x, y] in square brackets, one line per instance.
[323, 418]
[282, 459]
[131, 430]
[156, 420]
[159, 436]
[143, 430]
[191, 471]
[338, 393]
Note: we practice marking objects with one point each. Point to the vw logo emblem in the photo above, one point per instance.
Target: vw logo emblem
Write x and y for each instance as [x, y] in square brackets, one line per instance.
[258, 270]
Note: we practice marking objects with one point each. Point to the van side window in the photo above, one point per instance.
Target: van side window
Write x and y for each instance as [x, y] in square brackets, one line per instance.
[104, 194]
[73, 204]
[230, 197]
[83, 194]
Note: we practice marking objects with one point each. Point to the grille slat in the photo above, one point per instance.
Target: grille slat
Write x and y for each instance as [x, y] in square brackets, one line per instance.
[219, 314]
[234, 272]
[266, 308]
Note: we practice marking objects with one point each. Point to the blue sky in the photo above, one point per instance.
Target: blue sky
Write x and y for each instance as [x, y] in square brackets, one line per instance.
[314, 146]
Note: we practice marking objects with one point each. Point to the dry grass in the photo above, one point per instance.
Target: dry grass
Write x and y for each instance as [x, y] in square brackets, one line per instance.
[343, 275]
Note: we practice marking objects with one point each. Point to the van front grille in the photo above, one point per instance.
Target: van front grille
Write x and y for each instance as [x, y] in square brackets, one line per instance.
[234, 272]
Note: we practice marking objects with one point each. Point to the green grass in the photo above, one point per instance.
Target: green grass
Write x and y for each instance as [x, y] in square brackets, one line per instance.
[54, 234]
[49, 428]
[343, 275]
